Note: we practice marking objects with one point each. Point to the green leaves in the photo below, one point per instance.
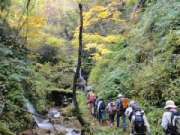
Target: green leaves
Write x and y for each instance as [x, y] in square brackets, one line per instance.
[148, 67]
[4, 130]
[4, 4]
[5, 51]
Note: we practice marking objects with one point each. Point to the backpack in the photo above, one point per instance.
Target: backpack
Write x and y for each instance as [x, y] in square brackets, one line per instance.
[125, 103]
[92, 98]
[136, 107]
[102, 106]
[111, 108]
[174, 127]
[139, 124]
[122, 105]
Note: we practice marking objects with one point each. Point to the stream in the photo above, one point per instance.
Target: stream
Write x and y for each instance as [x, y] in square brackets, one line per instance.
[43, 123]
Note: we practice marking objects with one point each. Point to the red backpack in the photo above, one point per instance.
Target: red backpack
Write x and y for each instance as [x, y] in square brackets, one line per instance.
[92, 98]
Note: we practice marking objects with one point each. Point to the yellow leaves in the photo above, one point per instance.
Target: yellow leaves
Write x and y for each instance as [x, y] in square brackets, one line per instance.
[97, 57]
[104, 14]
[98, 8]
[116, 14]
[114, 38]
[100, 53]
[95, 14]
[104, 51]
[100, 43]
[56, 42]
[42, 38]
[35, 22]
[98, 39]
[90, 45]
[34, 28]
[99, 13]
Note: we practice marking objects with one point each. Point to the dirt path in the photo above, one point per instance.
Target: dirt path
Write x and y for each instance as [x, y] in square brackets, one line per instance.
[95, 126]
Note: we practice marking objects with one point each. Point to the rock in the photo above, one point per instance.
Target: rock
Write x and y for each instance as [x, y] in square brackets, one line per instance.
[27, 132]
[54, 113]
[43, 132]
[76, 131]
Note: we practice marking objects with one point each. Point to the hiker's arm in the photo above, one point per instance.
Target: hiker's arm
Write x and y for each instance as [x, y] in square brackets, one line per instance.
[164, 122]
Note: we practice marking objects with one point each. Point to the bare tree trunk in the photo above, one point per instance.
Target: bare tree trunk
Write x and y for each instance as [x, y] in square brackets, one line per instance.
[27, 19]
[76, 76]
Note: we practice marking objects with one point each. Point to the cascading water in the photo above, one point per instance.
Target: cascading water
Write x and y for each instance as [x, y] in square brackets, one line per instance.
[43, 123]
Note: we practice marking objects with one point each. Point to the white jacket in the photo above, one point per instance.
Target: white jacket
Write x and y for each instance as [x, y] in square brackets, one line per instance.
[128, 111]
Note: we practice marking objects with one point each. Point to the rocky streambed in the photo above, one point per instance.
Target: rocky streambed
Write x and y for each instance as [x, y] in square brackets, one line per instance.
[56, 122]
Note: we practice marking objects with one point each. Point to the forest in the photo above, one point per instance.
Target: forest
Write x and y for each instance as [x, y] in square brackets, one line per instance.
[53, 52]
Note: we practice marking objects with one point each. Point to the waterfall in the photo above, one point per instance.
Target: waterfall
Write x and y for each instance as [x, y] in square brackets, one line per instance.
[82, 82]
[43, 123]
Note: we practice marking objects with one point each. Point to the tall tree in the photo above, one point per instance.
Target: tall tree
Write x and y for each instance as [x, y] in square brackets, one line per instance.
[76, 76]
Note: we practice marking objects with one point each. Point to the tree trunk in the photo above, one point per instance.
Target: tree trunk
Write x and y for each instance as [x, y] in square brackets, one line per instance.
[76, 76]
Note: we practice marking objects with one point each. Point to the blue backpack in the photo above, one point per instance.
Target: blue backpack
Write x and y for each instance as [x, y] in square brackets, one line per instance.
[174, 126]
[102, 106]
[119, 106]
[139, 124]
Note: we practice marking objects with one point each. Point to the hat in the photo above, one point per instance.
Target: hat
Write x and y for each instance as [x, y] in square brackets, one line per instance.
[170, 104]
[132, 102]
[120, 95]
[113, 103]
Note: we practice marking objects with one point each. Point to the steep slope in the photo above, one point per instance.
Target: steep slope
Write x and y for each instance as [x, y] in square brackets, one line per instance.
[14, 76]
[146, 65]
[34, 61]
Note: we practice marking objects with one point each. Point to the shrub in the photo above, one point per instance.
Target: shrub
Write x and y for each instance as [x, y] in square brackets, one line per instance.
[48, 53]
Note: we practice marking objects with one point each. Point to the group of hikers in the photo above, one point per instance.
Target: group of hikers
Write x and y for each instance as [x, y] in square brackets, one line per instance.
[123, 108]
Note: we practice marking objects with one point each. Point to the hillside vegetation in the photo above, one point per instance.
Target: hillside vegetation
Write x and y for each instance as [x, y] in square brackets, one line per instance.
[127, 48]
[34, 61]
[146, 65]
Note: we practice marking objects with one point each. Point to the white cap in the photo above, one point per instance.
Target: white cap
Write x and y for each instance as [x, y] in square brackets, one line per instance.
[170, 104]
[120, 95]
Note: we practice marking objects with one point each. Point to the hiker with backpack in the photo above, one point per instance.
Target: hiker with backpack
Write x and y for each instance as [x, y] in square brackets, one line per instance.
[171, 119]
[138, 120]
[101, 110]
[111, 109]
[96, 107]
[129, 110]
[121, 105]
[91, 101]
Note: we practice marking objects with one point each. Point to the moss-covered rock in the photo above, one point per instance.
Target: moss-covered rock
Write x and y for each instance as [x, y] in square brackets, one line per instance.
[4, 130]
